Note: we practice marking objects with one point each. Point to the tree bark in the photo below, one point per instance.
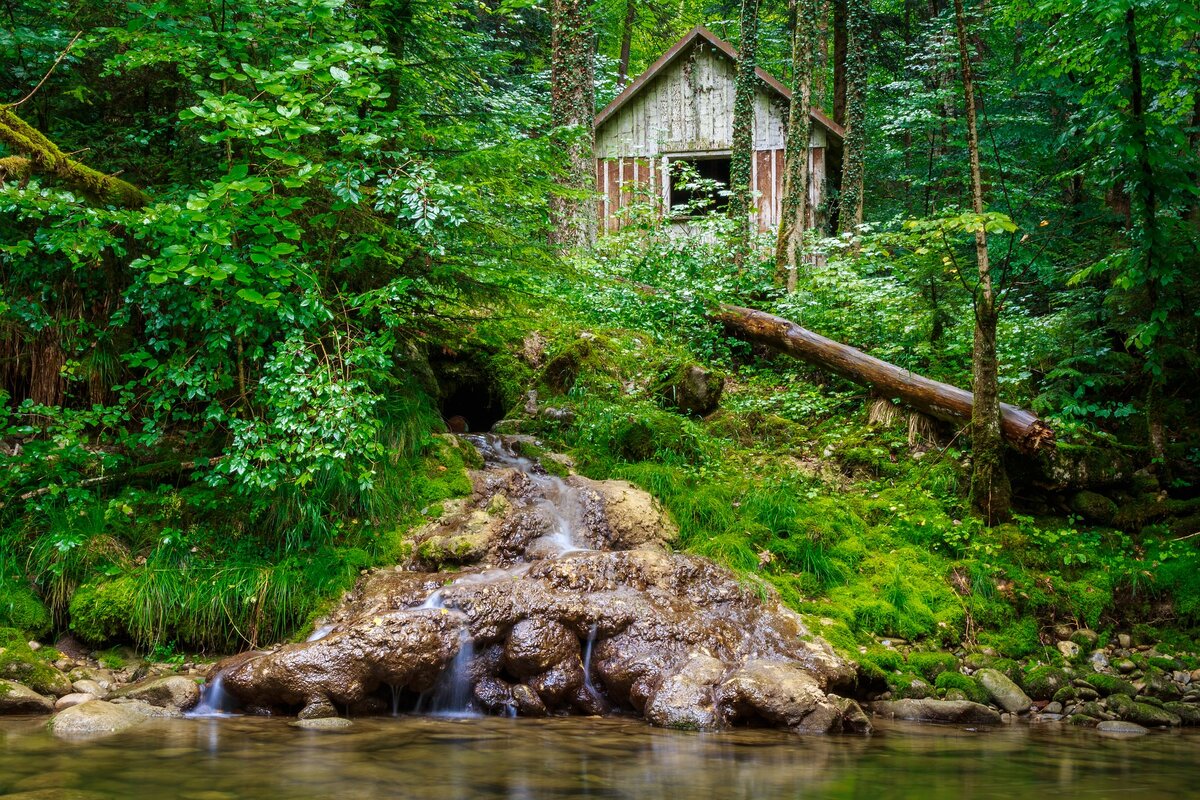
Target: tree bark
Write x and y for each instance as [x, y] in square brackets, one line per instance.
[741, 197]
[572, 109]
[626, 42]
[991, 493]
[1020, 428]
[850, 202]
[45, 157]
[839, 61]
[794, 207]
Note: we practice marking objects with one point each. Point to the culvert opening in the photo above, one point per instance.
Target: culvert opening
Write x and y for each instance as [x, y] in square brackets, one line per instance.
[470, 402]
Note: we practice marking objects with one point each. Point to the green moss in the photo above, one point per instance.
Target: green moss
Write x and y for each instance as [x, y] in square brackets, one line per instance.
[21, 664]
[443, 475]
[1016, 640]
[1043, 683]
[878, 662]
[21, 608]
[1109, 685]
[907, 686]
[931, 665]
[103, 612]
[964, 683]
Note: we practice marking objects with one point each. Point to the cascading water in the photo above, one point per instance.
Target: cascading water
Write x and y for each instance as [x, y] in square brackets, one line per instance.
[214, 700]
[587, 665]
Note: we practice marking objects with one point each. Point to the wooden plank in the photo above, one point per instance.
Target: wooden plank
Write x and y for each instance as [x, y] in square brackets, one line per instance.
[612, 183]
[816, 187]
[762, 185]
[602, 196]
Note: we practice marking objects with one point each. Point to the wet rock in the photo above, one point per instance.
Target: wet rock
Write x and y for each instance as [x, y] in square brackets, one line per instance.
[657, 630]
[90, 687]
[70, 700]
[1159, 684]
[1110, 685]
[16, 698]
[146, 709]
[1121, 727]
[1094, 507]
[686, 699]
[320, 708]
[1124, 641]
[1124, 666]
[1003, 691]
[1188, 713]
[97, 718]
[174, 692]
[1043, 683]
[960, 712]
[1085, 637]
[323, 724]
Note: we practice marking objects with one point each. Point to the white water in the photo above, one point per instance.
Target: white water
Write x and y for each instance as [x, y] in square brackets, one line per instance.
[214, 700]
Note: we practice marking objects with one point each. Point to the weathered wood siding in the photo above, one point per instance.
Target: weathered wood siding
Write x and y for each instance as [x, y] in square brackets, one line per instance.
[687, 111]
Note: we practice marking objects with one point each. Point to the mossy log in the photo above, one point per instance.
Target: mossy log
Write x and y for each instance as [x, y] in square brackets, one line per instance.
[45, 157]
[1021, 429]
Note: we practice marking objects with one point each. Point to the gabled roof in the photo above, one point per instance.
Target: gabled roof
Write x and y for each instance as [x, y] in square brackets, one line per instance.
[696, 34]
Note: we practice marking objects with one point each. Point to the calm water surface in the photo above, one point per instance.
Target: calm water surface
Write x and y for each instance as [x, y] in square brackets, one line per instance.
[418, 758]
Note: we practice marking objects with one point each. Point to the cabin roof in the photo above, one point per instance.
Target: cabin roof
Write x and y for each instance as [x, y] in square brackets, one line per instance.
[696, 34]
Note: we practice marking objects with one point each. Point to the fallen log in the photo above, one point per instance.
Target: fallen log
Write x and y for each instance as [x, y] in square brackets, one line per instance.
[1021, 429]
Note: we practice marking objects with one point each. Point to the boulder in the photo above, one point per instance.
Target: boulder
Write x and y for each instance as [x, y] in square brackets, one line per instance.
[175, 692]
[16, 698]
[692, 389]
[626, 517]
[97, 718]
[1094, 507]
[1119, 727]
[959, 712]
[1003, 691]
[686, 699]
[1043, 683]
[1142, 713]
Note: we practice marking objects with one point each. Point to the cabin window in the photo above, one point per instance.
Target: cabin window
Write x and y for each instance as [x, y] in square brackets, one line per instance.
[698, 185]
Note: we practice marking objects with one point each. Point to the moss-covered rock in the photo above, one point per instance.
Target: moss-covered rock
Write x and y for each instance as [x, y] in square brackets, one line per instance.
[931, 665]
[20, 608]
[907, 686]
[1108, 685]
[1159, 684]
[1188, 713]
[691, 388]
[1094, 507]
[20, 664]
[1044, 683]
[956, 681]
[1142, 713]
[101, 612]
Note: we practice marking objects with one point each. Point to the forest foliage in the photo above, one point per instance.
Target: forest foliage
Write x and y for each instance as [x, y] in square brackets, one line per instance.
[220, 400]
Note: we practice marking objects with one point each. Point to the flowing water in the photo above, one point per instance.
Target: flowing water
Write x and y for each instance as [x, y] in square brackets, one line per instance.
[435, 758]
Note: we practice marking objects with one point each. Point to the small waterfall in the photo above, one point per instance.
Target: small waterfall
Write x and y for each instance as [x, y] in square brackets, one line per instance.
[587, 665]
[457, 690]
[214, 700]
[320, 633]
[434, 600]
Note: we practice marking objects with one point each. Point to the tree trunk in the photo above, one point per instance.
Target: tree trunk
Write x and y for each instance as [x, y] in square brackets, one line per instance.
[839, 61]
[741, 197]
[794, 208]
[626, 42]
[572, 109]
[850, 203]
[1020, 428]
[991, 493]
[45, 157]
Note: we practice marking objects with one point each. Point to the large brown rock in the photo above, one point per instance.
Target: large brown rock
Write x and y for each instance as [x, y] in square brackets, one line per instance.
[173, 691]
[534, 626]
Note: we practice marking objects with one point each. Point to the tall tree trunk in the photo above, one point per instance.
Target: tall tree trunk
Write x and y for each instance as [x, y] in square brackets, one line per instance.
[839, 61]
[794, 208]
[821, 56]
[626, 42]
[741, 197]
[850, 203]
[991, 493]
[572, 107]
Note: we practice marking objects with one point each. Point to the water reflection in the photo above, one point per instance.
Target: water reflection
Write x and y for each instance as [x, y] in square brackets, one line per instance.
[437, 758]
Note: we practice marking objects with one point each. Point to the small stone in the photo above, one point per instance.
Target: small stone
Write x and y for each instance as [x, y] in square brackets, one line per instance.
[74, 699]
[1085, 637]
[1069, 650]
[1181, 677]
[1124, 666]
[35, 646]
[1121, 728]
[323, 724]
[1052, 708]
[1124, 641]
[1196, 675]
[1098, 660]
[90, 687]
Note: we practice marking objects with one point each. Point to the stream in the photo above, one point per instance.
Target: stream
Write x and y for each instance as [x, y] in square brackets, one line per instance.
[438, 758]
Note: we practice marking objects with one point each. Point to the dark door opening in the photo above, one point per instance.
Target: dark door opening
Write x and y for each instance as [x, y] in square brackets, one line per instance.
[471, 407]
[699, 185]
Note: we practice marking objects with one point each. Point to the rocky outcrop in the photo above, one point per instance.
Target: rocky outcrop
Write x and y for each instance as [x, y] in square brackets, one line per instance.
[572, 605]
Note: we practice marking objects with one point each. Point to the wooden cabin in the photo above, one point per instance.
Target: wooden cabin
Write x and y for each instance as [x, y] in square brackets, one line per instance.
[681, 110]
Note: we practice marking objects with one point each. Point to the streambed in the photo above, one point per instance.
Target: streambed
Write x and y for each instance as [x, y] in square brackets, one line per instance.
[440, 758]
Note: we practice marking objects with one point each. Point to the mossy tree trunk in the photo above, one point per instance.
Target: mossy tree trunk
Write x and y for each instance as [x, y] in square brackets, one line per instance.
[45, 157]
[839, 61]
[793, 222]
[991, 493]
[850, 203]
[741, 198]
[572, 108]
[626, 42]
